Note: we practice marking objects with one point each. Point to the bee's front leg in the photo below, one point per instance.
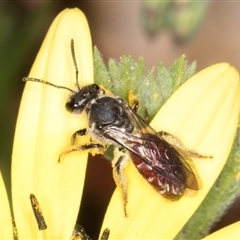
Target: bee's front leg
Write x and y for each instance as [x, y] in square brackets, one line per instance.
[90, 146]
[81, 132]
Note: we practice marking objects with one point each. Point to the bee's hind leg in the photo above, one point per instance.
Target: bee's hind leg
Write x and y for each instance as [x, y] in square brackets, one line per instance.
[177, 142]
[119, 163]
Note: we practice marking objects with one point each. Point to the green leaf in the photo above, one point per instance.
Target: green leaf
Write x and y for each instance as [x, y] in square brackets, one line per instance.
[101, 74]
[180, 71]
[129, 80]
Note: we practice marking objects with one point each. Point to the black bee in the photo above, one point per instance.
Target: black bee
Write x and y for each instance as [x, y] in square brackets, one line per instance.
[168, 168]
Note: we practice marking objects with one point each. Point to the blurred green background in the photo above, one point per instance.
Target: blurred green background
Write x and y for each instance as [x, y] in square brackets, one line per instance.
[158, 31]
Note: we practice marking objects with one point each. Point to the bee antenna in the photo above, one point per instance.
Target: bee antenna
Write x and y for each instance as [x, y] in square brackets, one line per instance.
[75, 63]
[25, 79]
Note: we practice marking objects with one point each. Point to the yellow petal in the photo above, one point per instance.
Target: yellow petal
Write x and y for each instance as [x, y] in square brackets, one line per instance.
[44, 130]
[230, 232]
[203, 114]
[6, 230]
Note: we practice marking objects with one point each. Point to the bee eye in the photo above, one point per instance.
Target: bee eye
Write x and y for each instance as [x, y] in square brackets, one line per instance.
[70, 106]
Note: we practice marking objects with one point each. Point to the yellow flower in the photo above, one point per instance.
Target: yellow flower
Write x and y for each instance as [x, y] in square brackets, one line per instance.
[230, 232]
[44, 130]
[203, 113]
[5, 216]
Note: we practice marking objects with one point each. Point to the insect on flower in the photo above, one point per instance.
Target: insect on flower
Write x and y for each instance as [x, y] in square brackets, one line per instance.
[167, 167]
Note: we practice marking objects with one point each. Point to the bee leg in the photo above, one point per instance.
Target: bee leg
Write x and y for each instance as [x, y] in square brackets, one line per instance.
[132, 100]
[120, 178]
[135, 105]
[90, 146]
[171, 139]
[177, 142]
[81, 132]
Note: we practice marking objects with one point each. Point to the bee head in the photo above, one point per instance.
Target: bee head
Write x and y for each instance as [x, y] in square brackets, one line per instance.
[83, 98]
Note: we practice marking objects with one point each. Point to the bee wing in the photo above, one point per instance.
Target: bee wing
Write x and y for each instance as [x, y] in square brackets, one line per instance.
[144, 142]
[193, 181]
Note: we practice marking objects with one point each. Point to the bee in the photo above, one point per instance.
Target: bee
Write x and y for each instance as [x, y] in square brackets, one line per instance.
[112, 121]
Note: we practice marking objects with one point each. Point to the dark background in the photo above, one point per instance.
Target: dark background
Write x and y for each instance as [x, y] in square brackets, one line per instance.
[116, 30]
